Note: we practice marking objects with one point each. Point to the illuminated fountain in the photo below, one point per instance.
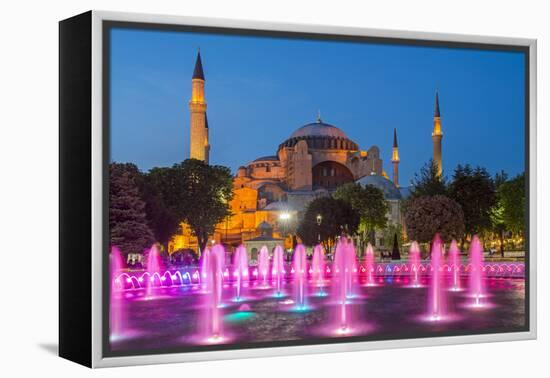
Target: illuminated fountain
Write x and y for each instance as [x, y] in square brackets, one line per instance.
[117, 310]
[154, 269]
[318, 269]
[477, 291]
[240, 270]
[347, 310]
[213, 278]
[299, 265]
[369, 265]
[414, 262]
[454, 265]
[436, 296]
[263, 265]
[278, 269]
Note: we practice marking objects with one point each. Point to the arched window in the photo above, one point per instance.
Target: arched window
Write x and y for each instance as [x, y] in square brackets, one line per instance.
[330, 175]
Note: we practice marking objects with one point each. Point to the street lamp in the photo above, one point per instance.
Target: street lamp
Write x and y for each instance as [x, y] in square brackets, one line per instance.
[285, 218]
[319, 221]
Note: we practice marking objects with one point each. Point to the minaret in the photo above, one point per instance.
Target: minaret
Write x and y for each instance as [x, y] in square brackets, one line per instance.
[395, 159]
[199, 145]
[437, 136]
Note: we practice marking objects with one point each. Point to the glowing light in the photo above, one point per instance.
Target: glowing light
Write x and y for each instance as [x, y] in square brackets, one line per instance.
[284, 216]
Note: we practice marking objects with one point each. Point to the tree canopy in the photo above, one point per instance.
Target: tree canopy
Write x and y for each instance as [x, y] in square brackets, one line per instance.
[195, 193]
[128, 227]
[369, 203]
[427, 182]
[428, 215]
[512, 202]
[337, 218]
[474, 190]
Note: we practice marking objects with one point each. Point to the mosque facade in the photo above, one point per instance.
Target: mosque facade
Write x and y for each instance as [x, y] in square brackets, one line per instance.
[314, 160]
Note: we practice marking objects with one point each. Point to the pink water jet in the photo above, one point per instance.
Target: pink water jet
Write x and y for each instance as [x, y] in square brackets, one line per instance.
[213, 278]
[153, 268]
[299, 265]
[219, 251]
[278, 269]
[117, 304]
[454, 265]
[318, 268]
[414, 263]
[263, 265]
[369, 265]
[344, 265]
[205, 269]
[240, 269]
[437, 300]
[477, 290]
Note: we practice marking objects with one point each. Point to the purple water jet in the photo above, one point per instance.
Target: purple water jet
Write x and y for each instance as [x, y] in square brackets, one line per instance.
[477, 290]
[153, 268]
[318, 268]
[454, 265]
[263, 265]
[219, 251]
[278, 269]
[240, 269]
[205, 269]
[300, 275]
[414, 263]
[436, 302]
[117, 309]
[344, 265]
[213, 278]
[369, 265]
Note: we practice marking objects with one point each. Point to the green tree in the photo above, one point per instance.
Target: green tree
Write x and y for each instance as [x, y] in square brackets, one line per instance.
[497, 211]
[161, 220]
[428, 182]
[474, 190]
[337, 217]
[395, 254]
[197, 194]
[389, 233]
[428, 215]
[162, 217]
[512, 198]
[369, 203]
[128, 227]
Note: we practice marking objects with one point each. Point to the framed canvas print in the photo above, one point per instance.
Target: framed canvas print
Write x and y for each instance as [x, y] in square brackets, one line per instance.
[232, 189]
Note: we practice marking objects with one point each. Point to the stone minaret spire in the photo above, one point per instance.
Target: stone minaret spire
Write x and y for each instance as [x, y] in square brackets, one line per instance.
[199, 145]
[437, 136]
[395, 159]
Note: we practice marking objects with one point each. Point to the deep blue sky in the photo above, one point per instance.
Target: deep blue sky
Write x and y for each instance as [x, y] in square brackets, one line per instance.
[259, 90]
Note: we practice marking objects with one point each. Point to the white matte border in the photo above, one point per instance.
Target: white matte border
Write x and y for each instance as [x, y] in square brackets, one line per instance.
[97, 205]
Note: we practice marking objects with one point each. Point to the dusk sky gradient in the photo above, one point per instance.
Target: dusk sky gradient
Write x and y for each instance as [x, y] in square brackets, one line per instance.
[259, 90]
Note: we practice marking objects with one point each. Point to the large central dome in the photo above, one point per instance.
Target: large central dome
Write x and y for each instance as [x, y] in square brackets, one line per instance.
[318, 129]
[321, 135]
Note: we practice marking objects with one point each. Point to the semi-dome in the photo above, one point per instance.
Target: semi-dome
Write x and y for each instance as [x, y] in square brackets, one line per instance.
[386, 186]
[266, 158]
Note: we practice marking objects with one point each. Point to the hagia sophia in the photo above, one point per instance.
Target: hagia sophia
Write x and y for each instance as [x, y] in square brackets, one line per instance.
[272, 191]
